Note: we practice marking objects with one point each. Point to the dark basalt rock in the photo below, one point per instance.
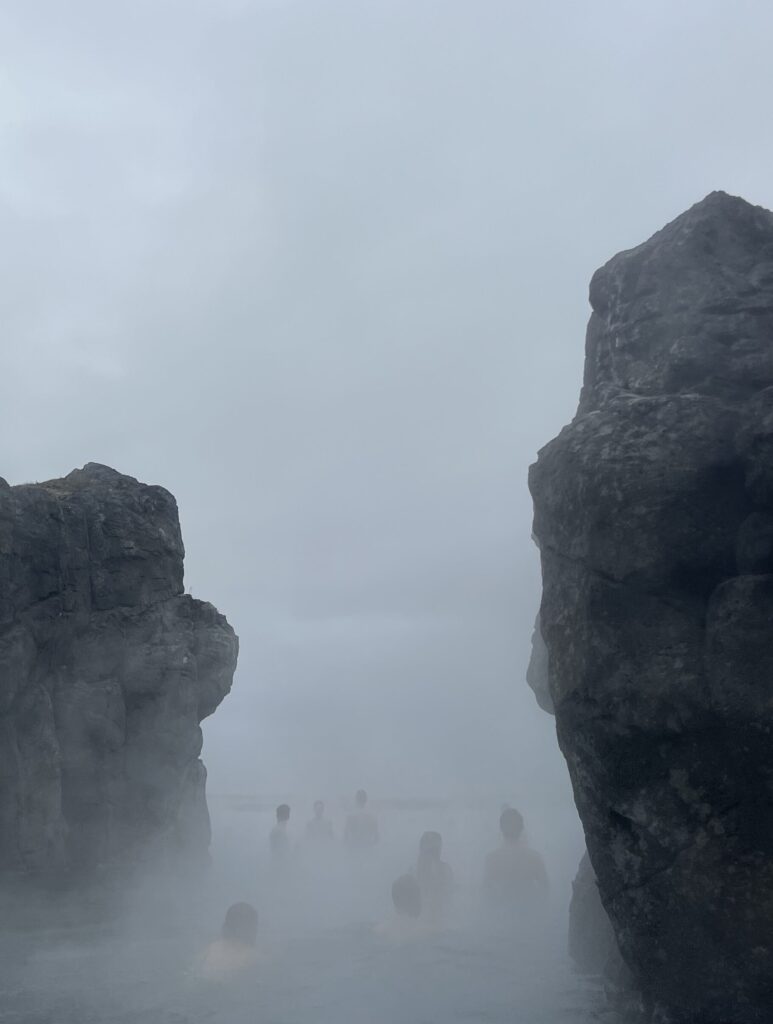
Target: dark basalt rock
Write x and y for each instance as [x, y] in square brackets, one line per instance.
[592, 943]
[106, 670]
[537, 672]
[654, 518]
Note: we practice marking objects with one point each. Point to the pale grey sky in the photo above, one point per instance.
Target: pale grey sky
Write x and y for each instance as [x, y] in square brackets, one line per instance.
[320, 268]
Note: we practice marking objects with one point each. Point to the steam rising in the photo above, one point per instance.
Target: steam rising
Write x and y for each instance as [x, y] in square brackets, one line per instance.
[319, 269]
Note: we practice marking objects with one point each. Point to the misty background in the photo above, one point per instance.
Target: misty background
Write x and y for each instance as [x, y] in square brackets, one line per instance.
[320, 269]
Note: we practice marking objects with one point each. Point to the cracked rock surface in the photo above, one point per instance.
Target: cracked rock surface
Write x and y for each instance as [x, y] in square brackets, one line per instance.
[106, 670]
[654, 518]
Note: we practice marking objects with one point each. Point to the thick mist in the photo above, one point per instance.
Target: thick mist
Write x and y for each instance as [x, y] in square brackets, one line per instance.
[329, 944]
[321, 271]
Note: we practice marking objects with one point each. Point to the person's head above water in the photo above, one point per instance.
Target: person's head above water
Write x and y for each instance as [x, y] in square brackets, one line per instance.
[361, 798]
[406, 896]
[241, 924]
[319, 808]
[283, 812]
[511, 824]
[430, 846]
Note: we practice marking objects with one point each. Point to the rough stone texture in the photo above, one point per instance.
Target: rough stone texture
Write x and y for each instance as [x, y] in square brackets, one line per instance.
[106, 670]
[592, 943]
[654, 518]
[537, 672]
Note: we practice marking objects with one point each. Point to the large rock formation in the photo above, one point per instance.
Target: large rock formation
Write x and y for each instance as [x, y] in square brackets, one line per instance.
[592, 943]
[537, 674]
[106, 670]
[654, 518]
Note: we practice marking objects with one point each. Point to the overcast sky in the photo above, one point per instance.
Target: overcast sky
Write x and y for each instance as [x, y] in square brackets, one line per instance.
[320, 268]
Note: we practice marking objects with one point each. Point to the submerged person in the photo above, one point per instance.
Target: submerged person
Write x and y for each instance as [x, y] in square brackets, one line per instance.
[279, 839]
[235, 951]
[320, 827]
[515, 874]
[435, 877]
[361, 826]
[407, 921]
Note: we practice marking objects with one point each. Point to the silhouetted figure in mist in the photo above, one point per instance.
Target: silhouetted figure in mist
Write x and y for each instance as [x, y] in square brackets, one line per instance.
[435, 877]
[406, 899]
[279, 839]
[361, 826]
[515, 874]
[319, 828]
[235, 951]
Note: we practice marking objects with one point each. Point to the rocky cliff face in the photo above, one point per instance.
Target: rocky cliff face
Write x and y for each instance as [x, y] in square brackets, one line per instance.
[106, 671]
[654, 518]
[592, 943]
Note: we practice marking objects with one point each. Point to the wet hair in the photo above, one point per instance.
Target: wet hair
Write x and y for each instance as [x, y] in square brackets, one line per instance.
[283, 812]
[511, 823]
[406, 896]
[361, 798]
[241, 924]
[319, 807]
[431, 846]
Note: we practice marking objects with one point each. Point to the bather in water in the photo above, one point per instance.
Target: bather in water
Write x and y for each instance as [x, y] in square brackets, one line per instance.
[279, 839]
[515, 874]
[435, 878]
[320, 828]
[361, 827]
[406, 923]
[235, 952]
